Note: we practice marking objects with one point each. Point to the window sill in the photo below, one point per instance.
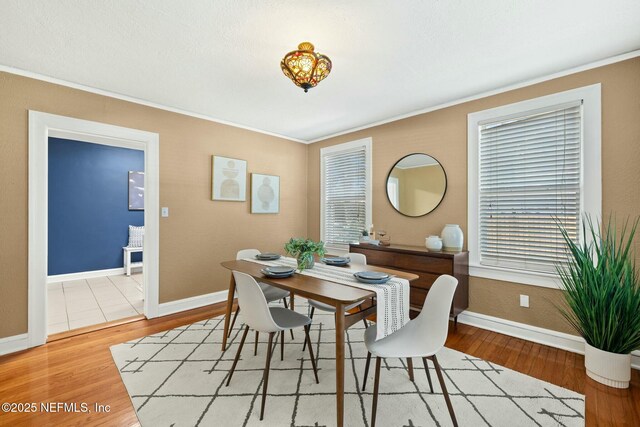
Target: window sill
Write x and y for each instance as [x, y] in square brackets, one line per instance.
[544, 280]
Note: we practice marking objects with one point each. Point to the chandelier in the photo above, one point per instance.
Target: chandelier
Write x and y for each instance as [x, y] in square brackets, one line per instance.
[305, 67]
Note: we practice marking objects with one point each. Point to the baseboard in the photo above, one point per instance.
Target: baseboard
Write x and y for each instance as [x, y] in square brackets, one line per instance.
[544, 336]
[84, 275]
[172, 307]
[14, 343]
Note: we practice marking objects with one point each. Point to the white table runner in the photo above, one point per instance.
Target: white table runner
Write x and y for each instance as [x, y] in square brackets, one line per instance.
[392, 298]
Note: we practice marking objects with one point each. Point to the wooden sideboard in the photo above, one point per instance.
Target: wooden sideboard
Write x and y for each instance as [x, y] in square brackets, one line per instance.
[427, 265]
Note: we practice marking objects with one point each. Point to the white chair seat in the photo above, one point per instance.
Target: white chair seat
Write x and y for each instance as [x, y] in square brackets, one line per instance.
[288, 319]
[271, 293]
[331, 309]
[402, 343]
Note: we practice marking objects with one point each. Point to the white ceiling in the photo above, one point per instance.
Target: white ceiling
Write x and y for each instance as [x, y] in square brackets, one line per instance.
[221, 58]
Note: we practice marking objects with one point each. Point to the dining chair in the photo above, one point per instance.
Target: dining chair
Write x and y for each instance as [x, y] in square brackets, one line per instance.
[356, 258]
[258, 315]
[271, 293]
[422, 337]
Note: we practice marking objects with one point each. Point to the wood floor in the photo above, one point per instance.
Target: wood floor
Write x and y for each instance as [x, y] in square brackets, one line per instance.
[80, 369]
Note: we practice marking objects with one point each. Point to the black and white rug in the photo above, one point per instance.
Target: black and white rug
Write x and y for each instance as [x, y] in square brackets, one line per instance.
[176, 378]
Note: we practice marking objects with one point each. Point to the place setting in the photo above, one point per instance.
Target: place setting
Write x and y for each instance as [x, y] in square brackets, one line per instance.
[372, 277]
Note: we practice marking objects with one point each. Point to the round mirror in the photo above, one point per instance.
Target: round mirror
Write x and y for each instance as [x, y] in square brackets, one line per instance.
[416, 184]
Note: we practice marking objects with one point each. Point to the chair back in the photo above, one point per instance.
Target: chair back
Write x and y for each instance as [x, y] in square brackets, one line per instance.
[247, 253]
[255, 309]
[357, 258]
[433, 320]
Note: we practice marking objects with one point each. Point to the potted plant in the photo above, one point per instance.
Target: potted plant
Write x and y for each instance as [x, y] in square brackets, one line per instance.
[304, 250]
[602, 295]
[365, 236]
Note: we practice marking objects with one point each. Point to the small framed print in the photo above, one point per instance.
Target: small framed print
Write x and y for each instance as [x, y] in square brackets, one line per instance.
[136, 191]
[229, 179]
[265, 194]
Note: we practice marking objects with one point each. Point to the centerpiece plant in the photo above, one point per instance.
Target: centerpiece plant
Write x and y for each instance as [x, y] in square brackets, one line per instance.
[602, 296]
[304, 250]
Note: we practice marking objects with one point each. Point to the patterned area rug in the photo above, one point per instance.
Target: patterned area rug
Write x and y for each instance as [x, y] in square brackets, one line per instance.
[176, 378]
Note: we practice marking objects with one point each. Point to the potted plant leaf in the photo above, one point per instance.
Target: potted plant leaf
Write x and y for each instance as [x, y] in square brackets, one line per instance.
[304, 250]
[602, 295]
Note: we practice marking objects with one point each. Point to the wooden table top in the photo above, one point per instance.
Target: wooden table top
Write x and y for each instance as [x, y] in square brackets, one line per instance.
[311, 287]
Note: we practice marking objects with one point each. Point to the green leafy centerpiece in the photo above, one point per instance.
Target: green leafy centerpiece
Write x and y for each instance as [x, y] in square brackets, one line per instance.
[602, 294]
[304, 250]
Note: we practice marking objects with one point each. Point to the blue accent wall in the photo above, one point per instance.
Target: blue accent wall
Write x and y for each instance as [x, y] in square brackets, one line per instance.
[89, 214]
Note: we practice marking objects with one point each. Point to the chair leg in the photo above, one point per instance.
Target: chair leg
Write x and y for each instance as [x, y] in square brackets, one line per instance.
[366, 370]
[233, 322]
[265, 377]
[444, 390]
[410, 368]
[313, 360]
[313, 309]
[376, 384]
[426, 369]
[235, 361]
[255, 345]
[282, 345]
[284, 300]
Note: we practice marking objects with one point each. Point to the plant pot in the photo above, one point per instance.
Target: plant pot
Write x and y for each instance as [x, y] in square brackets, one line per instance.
[306, 262]
[611, 369]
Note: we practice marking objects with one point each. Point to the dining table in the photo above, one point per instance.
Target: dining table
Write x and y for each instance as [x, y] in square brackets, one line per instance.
[338, 295]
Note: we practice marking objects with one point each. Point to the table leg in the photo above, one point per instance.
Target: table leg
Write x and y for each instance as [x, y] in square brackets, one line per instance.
[340, 364]
[227, 316]
[291, 302]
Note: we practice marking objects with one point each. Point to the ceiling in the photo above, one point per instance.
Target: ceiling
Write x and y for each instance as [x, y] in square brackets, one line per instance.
[390, 58]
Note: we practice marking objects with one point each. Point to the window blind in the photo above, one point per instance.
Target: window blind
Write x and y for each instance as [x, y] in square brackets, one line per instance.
[345, 190]
[530, 176]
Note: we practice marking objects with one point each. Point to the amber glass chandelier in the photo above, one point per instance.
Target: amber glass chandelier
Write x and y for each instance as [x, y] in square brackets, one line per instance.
[305, 67]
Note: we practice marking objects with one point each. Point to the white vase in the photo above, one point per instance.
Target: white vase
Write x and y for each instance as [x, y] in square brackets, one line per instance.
[611, 369]
[452, 237]
[433, 243]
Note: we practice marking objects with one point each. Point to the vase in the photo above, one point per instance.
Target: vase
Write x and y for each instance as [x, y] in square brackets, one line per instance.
[305, 262]
[611, 369]
[433, 243]
[452, 237]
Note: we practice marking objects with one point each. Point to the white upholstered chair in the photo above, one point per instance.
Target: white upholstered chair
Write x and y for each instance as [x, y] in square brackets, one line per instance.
[262, 318]
[422, 337]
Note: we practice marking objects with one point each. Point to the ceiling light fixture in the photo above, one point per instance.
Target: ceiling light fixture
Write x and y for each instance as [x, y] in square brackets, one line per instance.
[305, 67]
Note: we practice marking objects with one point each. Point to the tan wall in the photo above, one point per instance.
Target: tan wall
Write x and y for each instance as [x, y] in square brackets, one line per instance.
[421, 188]
[443, 134]
[198, 235]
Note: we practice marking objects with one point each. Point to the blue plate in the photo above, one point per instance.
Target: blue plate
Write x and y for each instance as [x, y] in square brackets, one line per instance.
[279, 270]
[372, 275]
[277, 275]
[372, 281]
[336, 260]
[267, 256]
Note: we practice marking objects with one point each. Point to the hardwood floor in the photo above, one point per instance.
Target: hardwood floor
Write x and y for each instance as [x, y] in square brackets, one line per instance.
[80, 369]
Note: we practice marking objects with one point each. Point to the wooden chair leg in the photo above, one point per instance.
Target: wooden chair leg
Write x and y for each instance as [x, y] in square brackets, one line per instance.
[366, 370]
[376, 384]
[444, 390]
[284, 300]
[233, 322]
[265, 377]
[282, 345]
[313, 309]
[255, 345]
[426, 369]
[410, 368]
[313, 360]
[235, 361]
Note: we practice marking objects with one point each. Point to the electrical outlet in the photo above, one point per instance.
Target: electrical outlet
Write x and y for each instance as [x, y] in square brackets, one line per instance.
[165, 212]
[524, 301]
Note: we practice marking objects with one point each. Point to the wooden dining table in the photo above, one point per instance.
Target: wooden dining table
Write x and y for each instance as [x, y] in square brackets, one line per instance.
[335, 294]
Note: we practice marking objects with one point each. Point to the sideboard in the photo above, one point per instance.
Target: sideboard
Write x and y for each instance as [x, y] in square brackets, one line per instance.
[427, 265]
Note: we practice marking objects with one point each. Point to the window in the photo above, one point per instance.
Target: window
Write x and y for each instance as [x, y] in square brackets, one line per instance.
[532, 164]
[345, 184]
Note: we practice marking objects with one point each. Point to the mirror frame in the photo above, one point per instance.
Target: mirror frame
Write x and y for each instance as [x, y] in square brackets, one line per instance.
[444, 193]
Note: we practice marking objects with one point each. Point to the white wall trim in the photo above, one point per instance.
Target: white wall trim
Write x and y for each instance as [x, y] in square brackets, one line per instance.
[48, 79]
[567, 72]
[172, 307]
[84, 275]
[14, 343]
[563, 341]
[41, 127]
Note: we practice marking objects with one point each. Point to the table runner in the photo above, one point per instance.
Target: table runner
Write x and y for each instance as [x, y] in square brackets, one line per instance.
[392, 298]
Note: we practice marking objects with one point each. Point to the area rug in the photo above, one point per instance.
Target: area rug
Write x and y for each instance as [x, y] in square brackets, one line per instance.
[177, 378]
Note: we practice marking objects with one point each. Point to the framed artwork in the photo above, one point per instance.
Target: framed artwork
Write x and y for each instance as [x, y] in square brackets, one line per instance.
[136, 191]
[265, 193]
[229, 179]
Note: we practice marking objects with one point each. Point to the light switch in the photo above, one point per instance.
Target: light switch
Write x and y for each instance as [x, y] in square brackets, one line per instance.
[524, 301]
[165, 212]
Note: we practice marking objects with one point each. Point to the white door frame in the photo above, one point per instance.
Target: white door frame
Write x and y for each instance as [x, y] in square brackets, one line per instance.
[41, 127]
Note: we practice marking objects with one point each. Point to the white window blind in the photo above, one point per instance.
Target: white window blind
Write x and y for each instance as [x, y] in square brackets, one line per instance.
[529, 177]
[345, 190]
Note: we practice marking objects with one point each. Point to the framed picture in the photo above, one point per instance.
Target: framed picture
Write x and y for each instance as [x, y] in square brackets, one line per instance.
[265, 193]
[229, 179]
[136, 191]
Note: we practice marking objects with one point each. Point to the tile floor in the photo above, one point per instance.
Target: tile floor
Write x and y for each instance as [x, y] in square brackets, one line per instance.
[79, 303]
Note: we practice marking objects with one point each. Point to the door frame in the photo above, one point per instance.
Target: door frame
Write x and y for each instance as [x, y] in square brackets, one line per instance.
[45, 125]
